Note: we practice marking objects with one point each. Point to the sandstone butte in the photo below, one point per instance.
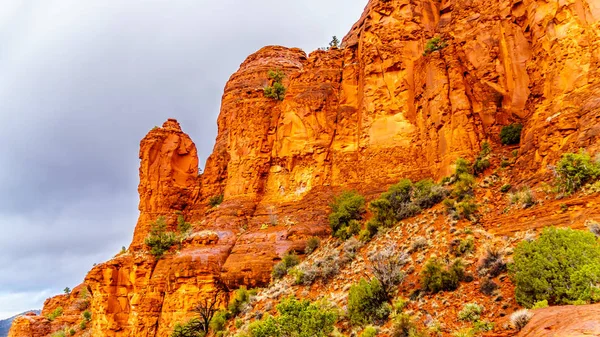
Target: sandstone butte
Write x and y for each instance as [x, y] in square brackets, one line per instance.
[357, 117]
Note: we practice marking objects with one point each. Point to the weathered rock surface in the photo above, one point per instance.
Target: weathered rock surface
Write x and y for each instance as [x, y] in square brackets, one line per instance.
[565, 321]
[362, 116]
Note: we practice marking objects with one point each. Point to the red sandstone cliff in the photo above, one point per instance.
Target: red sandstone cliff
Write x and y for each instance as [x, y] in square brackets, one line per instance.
[362, 116]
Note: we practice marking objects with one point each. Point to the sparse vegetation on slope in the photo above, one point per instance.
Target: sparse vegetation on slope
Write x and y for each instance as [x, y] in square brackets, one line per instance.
[347, 209]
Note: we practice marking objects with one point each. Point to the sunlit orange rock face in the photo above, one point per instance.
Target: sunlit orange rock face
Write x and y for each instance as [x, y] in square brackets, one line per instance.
[357, 117]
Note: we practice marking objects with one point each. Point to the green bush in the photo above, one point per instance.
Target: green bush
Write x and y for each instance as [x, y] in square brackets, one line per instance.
[217, 323]
[367, 303]
[403, 326]
[505, 188]
[460, 247]
[182, 226]
[60, 333]
[574, 170]
[54, 314]
[298, 318]
[87, 316]
[511, 134]
[369, 331]
[289, 260]
[192, 328]
[465, 209]
[240, 298]
[482, 161]
[561, 266]
[470, 312]
[403, 200]
[345, 208]
[312, 244]
[277, 90]
[433, 45]
[215, 200]
[159, 240]
[436, 278]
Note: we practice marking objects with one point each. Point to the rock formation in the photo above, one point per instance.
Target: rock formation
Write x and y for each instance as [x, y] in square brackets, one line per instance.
[357, 117]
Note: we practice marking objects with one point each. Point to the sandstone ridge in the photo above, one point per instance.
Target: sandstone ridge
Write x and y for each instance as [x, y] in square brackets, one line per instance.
[358, 117]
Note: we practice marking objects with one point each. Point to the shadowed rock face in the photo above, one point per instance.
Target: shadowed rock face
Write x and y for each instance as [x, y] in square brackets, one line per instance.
[360, 117]
[567, 321]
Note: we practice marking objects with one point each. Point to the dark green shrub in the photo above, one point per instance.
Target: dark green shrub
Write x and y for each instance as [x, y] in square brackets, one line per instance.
[298, 318]
[335, 42]
[72, 332]
[433, 45]
[240, 298]
[402, 201]
[436, 278]
[217, 323]
[463, 186]
[575, 170]
[277, 90]
[215, 200]
[192, 328]
[87, 316]
[289, 260]
[159, 240]
[511, 134]
[345, 208]
[367, 303]
[182, 226]
[460, 247]
[312, 244]
[462, 166]
[505, 188]
[465, 209]
[561, 266]
[482, 161]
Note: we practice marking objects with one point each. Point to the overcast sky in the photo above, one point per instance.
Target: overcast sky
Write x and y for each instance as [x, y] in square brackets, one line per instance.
[81, 82]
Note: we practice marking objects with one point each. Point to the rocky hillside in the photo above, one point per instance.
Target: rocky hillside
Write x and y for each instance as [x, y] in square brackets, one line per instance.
[382, 107]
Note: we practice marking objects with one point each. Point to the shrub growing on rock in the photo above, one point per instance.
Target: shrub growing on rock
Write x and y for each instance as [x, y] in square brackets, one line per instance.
[215, 200]
[280, 269]
[347, 210]
[160, 240]
[367, 303]
[470, 312]
[295, 318]
[435, 277]
[433, 45]
[561, 266]
[574, 170]
[403, 200]
[511, 134]
[277, 90]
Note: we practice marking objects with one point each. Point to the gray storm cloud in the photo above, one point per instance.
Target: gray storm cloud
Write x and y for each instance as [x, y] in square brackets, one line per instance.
[81, 82]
